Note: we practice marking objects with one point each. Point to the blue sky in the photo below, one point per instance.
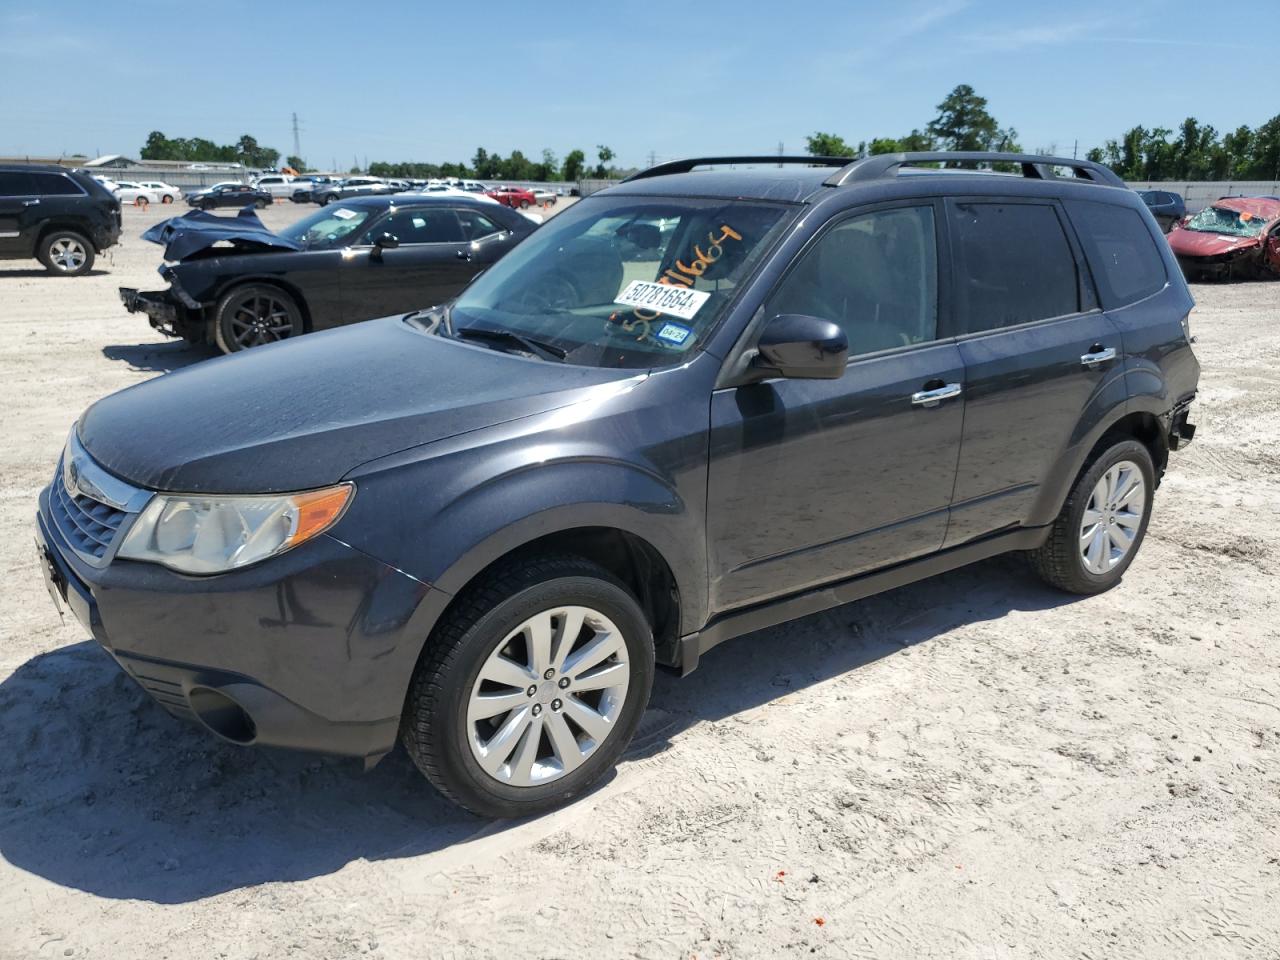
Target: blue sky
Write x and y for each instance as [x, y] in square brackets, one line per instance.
[431, 81]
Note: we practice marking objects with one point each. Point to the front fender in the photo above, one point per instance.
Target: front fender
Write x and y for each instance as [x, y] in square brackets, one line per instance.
[462, 509]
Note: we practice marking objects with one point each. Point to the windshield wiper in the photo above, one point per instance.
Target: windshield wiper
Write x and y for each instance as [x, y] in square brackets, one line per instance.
[539, 348]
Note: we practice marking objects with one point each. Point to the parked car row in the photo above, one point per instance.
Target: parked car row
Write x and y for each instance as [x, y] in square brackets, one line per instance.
[475, 528]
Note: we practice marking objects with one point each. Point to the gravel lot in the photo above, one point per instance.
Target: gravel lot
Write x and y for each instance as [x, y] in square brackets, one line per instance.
[974, 766]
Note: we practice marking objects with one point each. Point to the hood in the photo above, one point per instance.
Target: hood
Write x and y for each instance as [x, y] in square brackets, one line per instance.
[195, 231]
[304, 413]
[1197, 243]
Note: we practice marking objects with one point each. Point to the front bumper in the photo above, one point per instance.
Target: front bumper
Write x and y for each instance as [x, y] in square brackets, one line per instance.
[170, 311]
[311, 650]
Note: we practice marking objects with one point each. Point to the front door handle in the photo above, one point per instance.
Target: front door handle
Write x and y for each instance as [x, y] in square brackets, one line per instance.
[464, 255]
[1097, 355]
[30, 203]
[931, 398]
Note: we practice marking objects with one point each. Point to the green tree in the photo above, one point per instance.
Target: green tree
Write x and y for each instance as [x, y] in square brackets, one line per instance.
[963, 122]
[574, 163]
[605, 155]
[296, 163]
[828, 145]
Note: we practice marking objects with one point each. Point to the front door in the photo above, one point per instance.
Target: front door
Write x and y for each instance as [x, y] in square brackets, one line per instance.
[432, 263]
[812, 481]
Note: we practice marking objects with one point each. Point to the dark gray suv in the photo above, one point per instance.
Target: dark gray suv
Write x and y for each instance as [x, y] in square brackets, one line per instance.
[691, 406]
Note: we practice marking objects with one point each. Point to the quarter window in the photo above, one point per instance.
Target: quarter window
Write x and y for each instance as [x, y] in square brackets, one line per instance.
[875, 275]
[1121, 251]
[1013, 265]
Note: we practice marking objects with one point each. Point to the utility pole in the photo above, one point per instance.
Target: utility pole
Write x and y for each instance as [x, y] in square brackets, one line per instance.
[297, 144]
[1075, 147]
[780, 153]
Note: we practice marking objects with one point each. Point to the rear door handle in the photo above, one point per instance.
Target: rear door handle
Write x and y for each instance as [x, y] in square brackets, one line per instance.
[1098, 355]
[30, 203]
[931, 398]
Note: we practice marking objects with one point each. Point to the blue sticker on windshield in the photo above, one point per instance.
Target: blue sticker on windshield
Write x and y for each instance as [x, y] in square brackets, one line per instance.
[674, 333]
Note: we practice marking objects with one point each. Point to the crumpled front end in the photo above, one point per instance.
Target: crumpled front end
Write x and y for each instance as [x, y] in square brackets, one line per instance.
[173, 312]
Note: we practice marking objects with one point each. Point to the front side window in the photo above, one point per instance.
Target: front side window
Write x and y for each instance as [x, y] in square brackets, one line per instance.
[1014, 265]
[421, 225]
[476, 226]
[624, 281]
[875, 275]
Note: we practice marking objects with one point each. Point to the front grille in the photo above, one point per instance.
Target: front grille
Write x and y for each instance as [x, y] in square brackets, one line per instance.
[88, 525]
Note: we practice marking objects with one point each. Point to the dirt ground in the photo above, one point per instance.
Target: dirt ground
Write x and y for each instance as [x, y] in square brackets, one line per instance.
[973, 766]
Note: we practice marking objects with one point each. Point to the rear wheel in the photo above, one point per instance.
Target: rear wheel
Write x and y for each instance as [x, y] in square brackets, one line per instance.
[260, 203]
[253, 315]
[167, 198]
[66, 253]
[531, 688]
[141, 201]
[1102, 524]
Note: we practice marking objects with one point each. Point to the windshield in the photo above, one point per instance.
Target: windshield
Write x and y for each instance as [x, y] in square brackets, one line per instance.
[1229, 222]
[327, 227]
[624, 281]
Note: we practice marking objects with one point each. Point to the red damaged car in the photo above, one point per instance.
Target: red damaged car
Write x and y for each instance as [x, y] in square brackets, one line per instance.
[1235, 238]
[516, 197]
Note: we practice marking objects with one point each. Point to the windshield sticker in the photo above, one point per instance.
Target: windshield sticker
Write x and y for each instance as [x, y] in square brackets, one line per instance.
[663, 298]
[344, 214]
[674, 333]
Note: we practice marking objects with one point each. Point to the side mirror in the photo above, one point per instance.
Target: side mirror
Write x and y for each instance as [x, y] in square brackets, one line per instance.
[800, 347]
[387, 241]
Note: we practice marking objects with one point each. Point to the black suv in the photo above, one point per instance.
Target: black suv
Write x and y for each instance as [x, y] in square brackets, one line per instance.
[60, 217]
[693, 405]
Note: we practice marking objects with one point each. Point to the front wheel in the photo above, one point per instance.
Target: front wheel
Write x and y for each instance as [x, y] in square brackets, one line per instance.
[531, 688]
[167, 198]
[260, 204]
[253, 315]
[1102, 524]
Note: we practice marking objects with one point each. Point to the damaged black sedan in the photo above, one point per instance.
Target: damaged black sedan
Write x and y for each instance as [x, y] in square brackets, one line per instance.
[236, 284]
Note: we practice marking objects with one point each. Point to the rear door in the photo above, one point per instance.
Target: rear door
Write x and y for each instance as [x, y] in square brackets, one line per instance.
[19, 207]
[1037, 351]
[431, 265]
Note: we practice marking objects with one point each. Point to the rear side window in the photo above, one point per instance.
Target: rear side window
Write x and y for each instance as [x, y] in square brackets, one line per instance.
[1013, 265]
[55, 185]
[15, 184]
[1120, 249]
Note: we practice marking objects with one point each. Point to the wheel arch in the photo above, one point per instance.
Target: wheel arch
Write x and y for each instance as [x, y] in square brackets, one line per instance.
[60, 223]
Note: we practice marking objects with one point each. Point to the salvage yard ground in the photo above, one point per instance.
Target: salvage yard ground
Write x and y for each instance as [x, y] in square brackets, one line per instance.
[973, 766]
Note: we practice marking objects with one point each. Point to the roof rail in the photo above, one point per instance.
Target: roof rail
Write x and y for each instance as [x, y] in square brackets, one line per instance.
[684, 166]
[1034, 166]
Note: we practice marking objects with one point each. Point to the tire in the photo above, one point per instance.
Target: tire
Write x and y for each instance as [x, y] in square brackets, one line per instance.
[328, 198]
[167, 198]
[448, 743]
[141, 202]
[1073, 561]
[260, 204]
[524, 204]
[253, 315]
[66, 253]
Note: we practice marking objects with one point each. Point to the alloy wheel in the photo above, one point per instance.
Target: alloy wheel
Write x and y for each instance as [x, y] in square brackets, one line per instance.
[260, 319]
[1112, 517]
[67, 254]
[548, 696]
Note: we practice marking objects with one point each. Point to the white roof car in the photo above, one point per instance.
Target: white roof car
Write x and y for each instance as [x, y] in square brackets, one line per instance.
[129, 191]
[167, 192]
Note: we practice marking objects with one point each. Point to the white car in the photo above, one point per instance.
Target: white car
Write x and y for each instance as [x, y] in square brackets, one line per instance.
[443, 189]
[167, 192]
[279, 184]
[542, 195]
[106, 182]
[128, 191]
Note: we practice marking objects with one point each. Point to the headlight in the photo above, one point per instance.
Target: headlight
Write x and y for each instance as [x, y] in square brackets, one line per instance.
[196, 534]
